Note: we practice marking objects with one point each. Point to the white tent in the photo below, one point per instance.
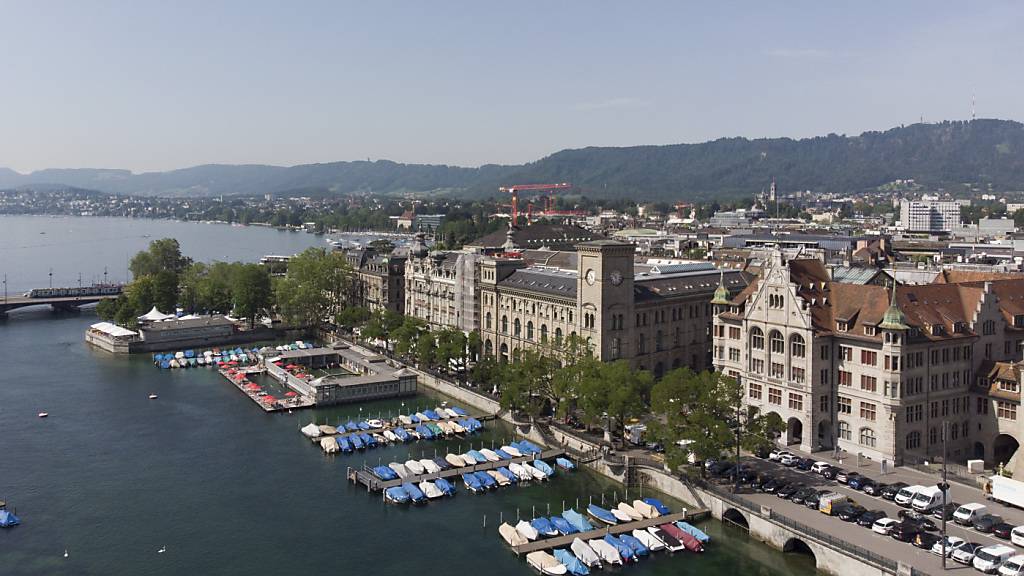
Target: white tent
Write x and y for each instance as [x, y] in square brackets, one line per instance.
[155, 315]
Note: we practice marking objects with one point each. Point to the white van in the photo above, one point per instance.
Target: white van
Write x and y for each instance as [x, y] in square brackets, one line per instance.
[904, 497]
[968, 513]
[990, 558]
[928, 499]
[1013, 567]
[1017, 536]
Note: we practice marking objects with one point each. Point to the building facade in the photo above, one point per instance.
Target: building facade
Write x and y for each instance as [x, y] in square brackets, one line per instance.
[872, 371]
[441, 287]
[378, 280]
[936, 216]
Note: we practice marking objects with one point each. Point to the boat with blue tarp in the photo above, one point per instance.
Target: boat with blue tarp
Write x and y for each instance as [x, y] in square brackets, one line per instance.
[543, 526]
[661, 508]
[571, 562]
[564, 463]
[479, 457]
[692, 530]
[396, 494]
[577, 520]
[486, 480]
[508, 474]
[415, 494]
[344, 445]
[502, 454]
[623, 549]
[472, 483]
[563, 526]
[357, 442]
[601, 514]
[384, 473]
[543, 467]
[638, 547]
[445, 487]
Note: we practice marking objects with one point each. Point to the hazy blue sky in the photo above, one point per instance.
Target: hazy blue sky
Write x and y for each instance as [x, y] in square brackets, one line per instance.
[150, 86]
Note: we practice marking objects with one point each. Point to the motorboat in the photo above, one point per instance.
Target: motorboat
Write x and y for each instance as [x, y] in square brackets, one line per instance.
[351, 426]
[608, 553]
[648, 539]
[422, 417]
[429, 466]
[672, 544]
[511, 536]
[623, 549]
[442, 414]
[527, 447]
[424, 432]
[375, 424]
[523, 474]
[328, 430]
[380, 439]
[153, 396]
[329, 445]
[391, 436]
[451, 413]
[357, 442]
[430, 414]
[572, 564]
[543, 467]
[620, 515]
[477, 456]
[457, 428]
[401, 433]
[527, 530]
[639, 549]
[343, 445]
[472, 483]
[577, 520]
[486, 480]
[363, 425]
[455, 460]
[600, 514]
[534, 473]
[490, 455]
[309, 430]
[396, 495]
[499, 478]
[564, 463]
[645, 509]
[459, 411]
[399, 469]
[544, 526]
[508, 474]
[405, 419]
[688, 541]
[692, 530]
[384, 473]
[545, 563]
[502, 454]
[514, 452]
[442, 464]
[430, 490]
[633, 513]
[445, 487]
[446, 428]
[585, 553]
[415, 467]
[435, 429]
[563, 526]
[661, 508]
[367, 440]
[415, 494]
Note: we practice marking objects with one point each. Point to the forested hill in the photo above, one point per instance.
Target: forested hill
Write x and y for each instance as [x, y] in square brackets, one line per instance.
[948, 155]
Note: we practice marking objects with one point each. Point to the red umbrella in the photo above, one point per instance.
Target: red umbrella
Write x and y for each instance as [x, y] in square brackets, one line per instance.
[232, 363]
[290, 366]
[252, 386]
[269, 399]
[290, 394]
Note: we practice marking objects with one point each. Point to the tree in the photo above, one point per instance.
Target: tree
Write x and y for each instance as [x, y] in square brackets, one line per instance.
[162, 255]
[165, 290]
[425, 349]
[352, 317]
[525, 384]
[251, 291]
[315, 287]
[407, 334]
[381, 325]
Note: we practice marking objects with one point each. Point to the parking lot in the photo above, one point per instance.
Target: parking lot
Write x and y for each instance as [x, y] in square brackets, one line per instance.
[920, 559]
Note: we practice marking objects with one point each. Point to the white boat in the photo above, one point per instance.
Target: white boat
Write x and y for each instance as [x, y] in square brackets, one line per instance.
[380, 439]
[429, 490]
[491, 455]
[311, 430]
[430, 466]
[375, 424]
[405, 419]
[451, 413]
[528, 531]
[499, 478]
[445, 427]
[391, 436]
[511, 451]
[545, 563]
[520, 472]
[457, 428]
[645, 509]
[585, 553]
[510, 535]
[629, 511]
[328, 430]
[329, 445]
[648, 539]
[442, 413]
[653, 531]
[455, 460]
[44, 414]
[415, 467]
[606, 551]
[534, 472]
[153, 396]
[422, 417]
[620, 515]
[413, 434]
[468, 459]
[399, 469]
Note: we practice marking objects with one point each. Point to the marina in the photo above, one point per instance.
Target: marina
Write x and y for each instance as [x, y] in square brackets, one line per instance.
[565, 541]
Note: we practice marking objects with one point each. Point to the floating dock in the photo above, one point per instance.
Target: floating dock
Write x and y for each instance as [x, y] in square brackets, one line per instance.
[565, 541]
[278, 405]
[366, 477]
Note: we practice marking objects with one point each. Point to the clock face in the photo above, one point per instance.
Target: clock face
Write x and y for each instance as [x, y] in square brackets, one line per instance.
[616, 277]
[591, 277]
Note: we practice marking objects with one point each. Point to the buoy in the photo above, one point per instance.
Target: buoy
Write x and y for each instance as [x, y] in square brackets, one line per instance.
[153, 396]
[65, 552]
[44, 414]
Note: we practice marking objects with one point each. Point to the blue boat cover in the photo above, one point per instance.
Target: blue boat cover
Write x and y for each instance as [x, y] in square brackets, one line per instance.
[502, 454]
[397, 494]
[424, 431]
[351, 426]
[442, 463]
[343, 444]
[363, 426]
[624, 550]
[564, 463]
[543, 526]
[356, 442]
[367, 439]
[602, 514]
[471, 481]
[661, 508]
[414, 493]
[459, 411]
[577, 520]
[563, 526]
[638, 547]
[402, 434]
[478, 456]
[543, 467]
[692, 530]
[384, 473]
[431, 414]
[508, 474]
[445, 486]
[485, 479]
[8, 519]
[415, 419]
[572, 563]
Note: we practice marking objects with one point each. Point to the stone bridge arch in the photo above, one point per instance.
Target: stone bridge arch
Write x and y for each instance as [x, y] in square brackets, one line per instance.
[798, 546]
[736, 518]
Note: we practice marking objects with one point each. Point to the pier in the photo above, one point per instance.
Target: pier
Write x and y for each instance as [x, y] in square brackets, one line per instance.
[390, 424]
[565, 541]
[367, 478]
[277, 405]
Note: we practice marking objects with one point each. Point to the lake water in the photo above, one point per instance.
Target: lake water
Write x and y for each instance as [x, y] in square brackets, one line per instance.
[112, 476]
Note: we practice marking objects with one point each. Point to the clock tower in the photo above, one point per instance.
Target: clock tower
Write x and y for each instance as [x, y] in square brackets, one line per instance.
[604, 296]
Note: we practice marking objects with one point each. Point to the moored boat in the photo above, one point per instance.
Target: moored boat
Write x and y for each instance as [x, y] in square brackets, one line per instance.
[514, 452]
[477, 456]
[527, 530]
[329, 445]
[357, 442]
[399, 469]
[486, 480]
[442, 464]
[645, 509]
[415, 494]
[534, 473]
[572, 564]
[692, 530]
[563, 526]
[608, 553]
[523, 474]
[661, 508]
[577, 520]
[564, 463]
[396, 494]
[498, 477]
[512, 478]
[429, 466]
[638, 547]
[490, 455]
[621, 547]
[344, 445]
[511, 536]
[415, 467]
[672, 544]
[620, 515]
[687, 539]
[311, 430]
[391, 436]
[455, 460]
[545, 563]
[585, 553]
[543, 526]
[430, 490]
[631, 512]
[502, 454]
[472, 483]
[445, 486]
[601, 514]
[648, 539]
[544, 467]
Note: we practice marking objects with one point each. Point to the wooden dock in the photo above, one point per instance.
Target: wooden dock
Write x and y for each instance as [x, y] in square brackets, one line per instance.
[392, 424]
[281, 404]
[565, 541]
[366, 477]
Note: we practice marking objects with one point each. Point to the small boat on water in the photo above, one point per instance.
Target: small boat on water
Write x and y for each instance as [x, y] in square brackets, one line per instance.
[459, 411]
[329, 445]
[645, 509]
[384, 473]
[544, 526]
[451, 413]
[623, 549]
[631, 513]
[502, 454]
[391, 436]
[455, 460]
[672, 544]
[396, 495]
[577, 520]
[661, 508]
[601, 514]
[608, 553]
[442, 464]
[446, 428]
[523, 474]
[692, 530]
[422, 417]
[424, 432]
[430, 490]
[445, 487]
[490, 455]
[405, 419]
[415, 467]
[363, 425]
[437, 431]
[573, 564]
[514, 452]
[534, 472]
[688, 541]
[511, 536]
[344, 445]
[430, 414]
[153, 396]
[472, 483]
[457, 428]
[564, 463]
[585, 553]
[620, 515]
[328, 430]
[499, 477]
[399, 469]
[8, 519]
[639, 549]
[648, 540]
[367, 440]
[351, 426]
[563, 526]
[485, 480]
[415, 494]
[310, 430]
[401, 433]
[512, 478]
[545, 563]
[527, 530]
[543, 467]
[477, 456]
[375, 424]
[429, 467]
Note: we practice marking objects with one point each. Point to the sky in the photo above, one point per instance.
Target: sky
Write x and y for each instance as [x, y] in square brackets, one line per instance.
[146, 86]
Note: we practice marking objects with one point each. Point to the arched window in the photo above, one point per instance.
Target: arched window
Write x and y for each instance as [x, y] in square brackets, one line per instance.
[558, 335]
[504, 353]
[913, 440]
[867, 437]
[778, 345]
[517, 327]
[488, 348]
[529, 330]
[844, 430]
[756, 338]
[488, 321]
[797, 347]
[543, 332]
[504, 324]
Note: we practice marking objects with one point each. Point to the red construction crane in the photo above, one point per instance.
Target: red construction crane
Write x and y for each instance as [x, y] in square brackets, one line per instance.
[548, 202]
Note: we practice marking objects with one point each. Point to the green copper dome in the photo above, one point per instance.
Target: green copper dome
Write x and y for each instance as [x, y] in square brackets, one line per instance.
[721, 293]
[894, 318]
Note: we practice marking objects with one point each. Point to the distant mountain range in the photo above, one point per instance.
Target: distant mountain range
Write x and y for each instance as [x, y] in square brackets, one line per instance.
[944, 155]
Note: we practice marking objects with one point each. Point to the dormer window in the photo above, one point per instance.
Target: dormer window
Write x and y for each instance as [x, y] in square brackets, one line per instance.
[842, 325]
[869, 330]
[959, 327]
[937, 329]
[1018, 321]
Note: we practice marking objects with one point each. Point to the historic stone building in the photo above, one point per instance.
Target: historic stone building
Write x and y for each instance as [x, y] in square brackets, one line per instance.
[873, 371]
[441, 287]
[656, 316]
[379, 279]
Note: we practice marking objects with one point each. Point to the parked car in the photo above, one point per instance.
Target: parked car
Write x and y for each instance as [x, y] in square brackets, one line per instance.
[925, 541]
[905, 531]
[868, 518]
[805, 464]
[858, 482]
[918, 518]
[965, 554]
[874, 488]
[800, 496]
[1012, 567]
[990, 558]
[1017, 535]
[968, 513]
[787, 491]
[843, 477]
[890, 491]
[819, 467]
[771, 486]
[946, 511]
[953, 543]
[760, 480]
[850, 512]
[777, 454]
[884, 526]
[831, 473]
[1002, 530]
[813, 500]
[986, 523]
[762, 452]
[788, 459]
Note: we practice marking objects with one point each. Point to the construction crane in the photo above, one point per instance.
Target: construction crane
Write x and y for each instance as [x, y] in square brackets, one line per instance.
[548, 200]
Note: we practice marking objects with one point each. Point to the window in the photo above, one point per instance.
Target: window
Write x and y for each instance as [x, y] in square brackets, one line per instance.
[504, 324]
[846, 353]
[796, 401]
[869, 383]
[844, 430]
[823, 403]
[734, 332]
[867, 411]
[757, 365]
[842, 325]
[774, 396]
[824, 352]
[933, 436]
[798, 375]
[845, 406]
[868, 357]
[558, 335]
[529, 330]
[797, 347]
[1009, 386]
[517, 327]
[867, 437]
[756, 338]
[988, 328]
[754, 390]
[845, 378]
[488, 321]
[913, 440]
[777, 370]
[734, 354]
[775, 300]
[658, 344]
[778, 345]
[543, 332]
[1006, 410]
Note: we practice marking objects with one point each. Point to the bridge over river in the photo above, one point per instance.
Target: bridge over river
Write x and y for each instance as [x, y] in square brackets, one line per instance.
[61, 303]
